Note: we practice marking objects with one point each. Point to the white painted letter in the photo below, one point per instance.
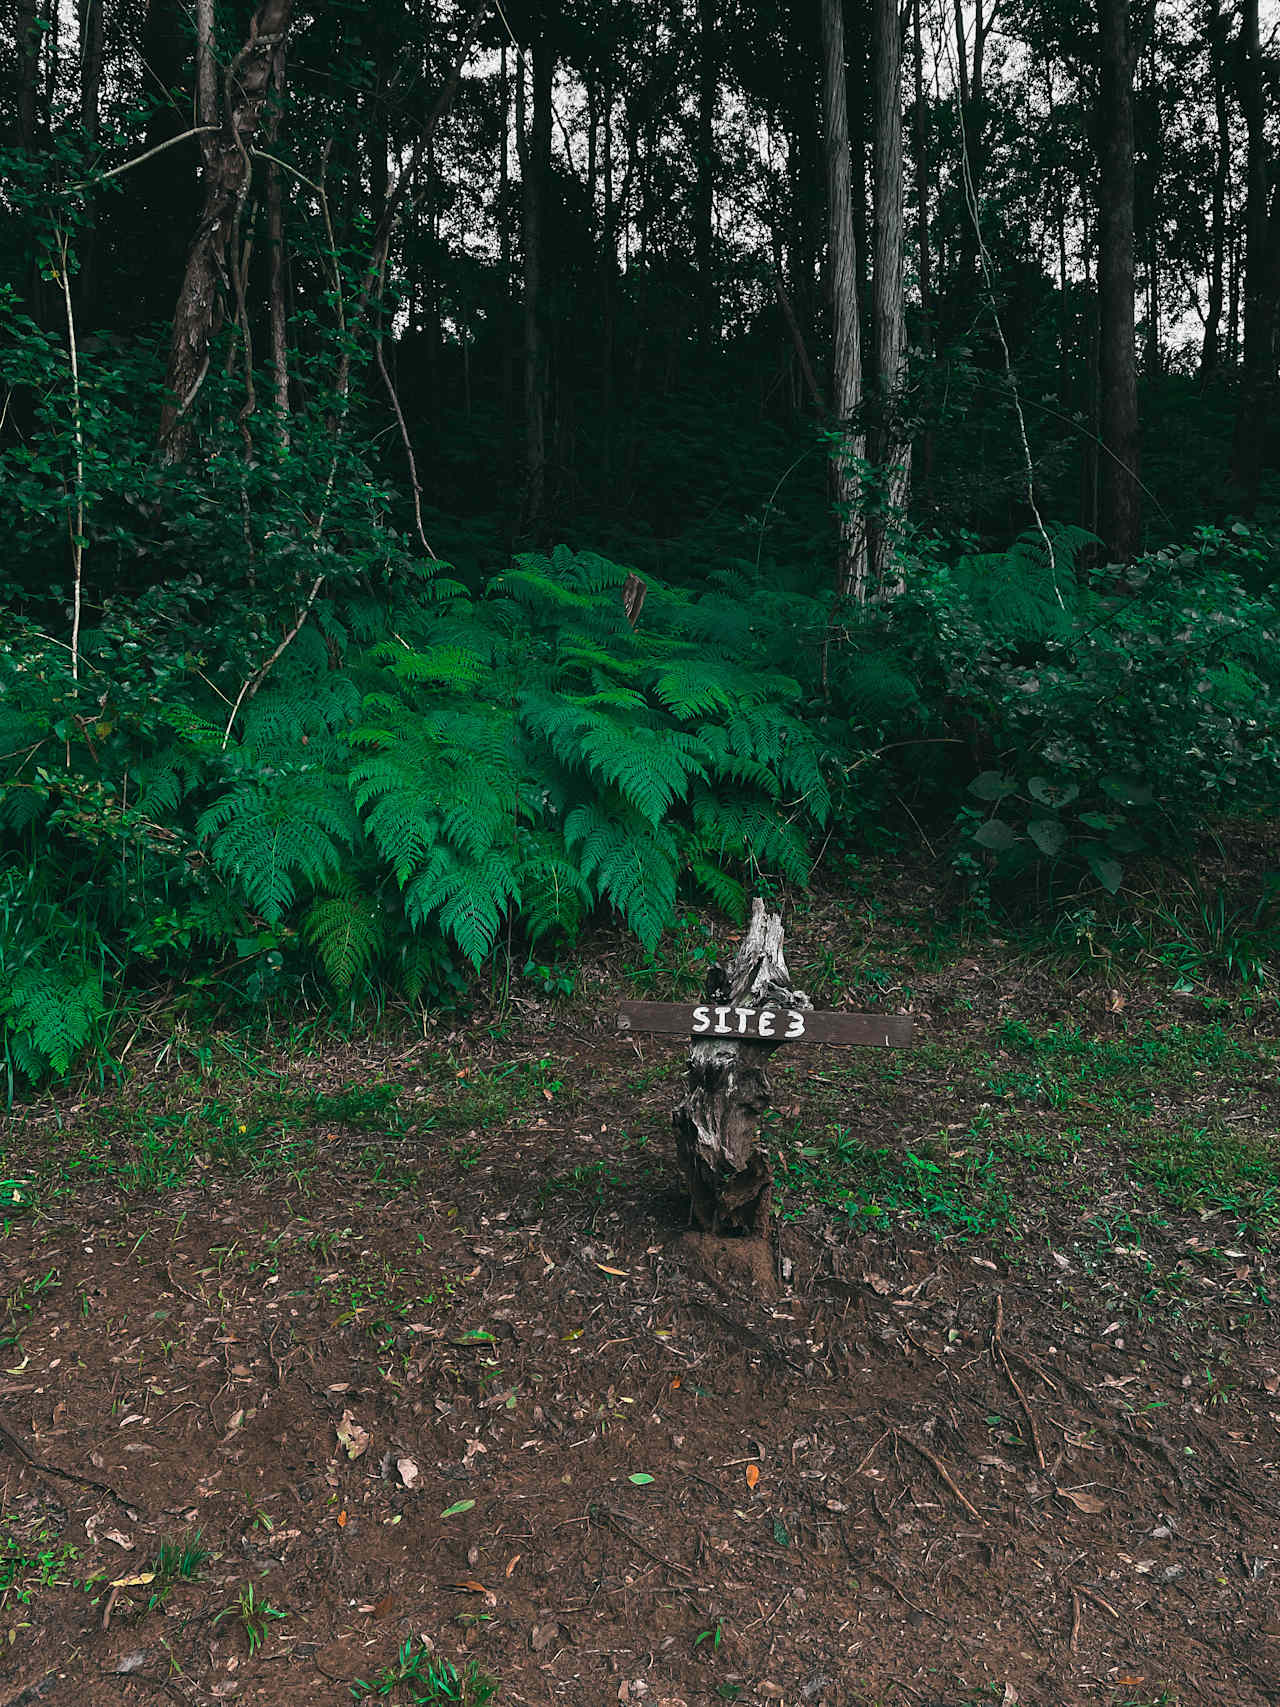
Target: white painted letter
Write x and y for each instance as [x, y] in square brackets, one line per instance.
[795, 1023]
[722, 1020]
[744, 1014]
[701, 1019]
[765, 1026]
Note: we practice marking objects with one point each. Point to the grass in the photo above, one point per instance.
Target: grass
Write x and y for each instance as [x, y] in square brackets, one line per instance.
[416, 1676]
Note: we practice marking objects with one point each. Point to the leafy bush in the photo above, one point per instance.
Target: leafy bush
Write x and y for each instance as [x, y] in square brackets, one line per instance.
[1098, 716]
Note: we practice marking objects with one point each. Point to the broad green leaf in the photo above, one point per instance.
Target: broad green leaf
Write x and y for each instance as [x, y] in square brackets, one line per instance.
[453, 1510]
[640, 1478]
[992, 785]
[995, 834]
[1048, 835]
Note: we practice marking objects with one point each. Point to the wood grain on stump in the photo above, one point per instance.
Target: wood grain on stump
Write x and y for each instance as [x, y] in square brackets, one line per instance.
[717, 1124]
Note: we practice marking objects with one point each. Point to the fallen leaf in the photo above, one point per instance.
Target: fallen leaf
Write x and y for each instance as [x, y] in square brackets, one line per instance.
[1131, 1682]
[409, 1472]
[1010, 1696]
[139, 1581]
[605, 1269]
[120, 1540]
[1082, 1501]
[542, 1636]
[385, 1607]
[130, 1662]
[879, 1284]
[342, 1520]
[351, 1436]
[1271, 1383]
[453, 1510]
[467, 1586]
[512, 1563]
[640, 1478]
[753, 1475]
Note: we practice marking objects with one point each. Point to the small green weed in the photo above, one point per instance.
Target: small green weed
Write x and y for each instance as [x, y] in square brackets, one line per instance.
[176, 1561]
[416, 1678]
[256, 1616]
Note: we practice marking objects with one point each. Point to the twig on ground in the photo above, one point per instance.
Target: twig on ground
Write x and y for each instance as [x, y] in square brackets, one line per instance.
[997, 1346]
[52, 1471]
[1075, 1620]
[940, 1467]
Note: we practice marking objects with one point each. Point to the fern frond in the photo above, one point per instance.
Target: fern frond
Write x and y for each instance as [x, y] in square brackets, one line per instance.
[631, 865]
[467, 901]
[347, 932]
[725, 891]
[268, 839]
[553, 894]
[52, 1010]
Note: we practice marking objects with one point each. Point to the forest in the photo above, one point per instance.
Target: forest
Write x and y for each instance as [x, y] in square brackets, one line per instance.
[508, 505]
[917, 366]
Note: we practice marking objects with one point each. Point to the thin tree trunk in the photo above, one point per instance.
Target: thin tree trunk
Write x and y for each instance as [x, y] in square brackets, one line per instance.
[920, 141]
[846, 351]
[1211, 348]
[535, 158]
[28, 72]
[1262, 244]
[226, 182]
[893, 443]
[704, 219]
[92, 44]
[1120, 505]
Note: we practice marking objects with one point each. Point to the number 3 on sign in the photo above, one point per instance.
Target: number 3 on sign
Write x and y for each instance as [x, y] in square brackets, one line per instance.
[745, 1022]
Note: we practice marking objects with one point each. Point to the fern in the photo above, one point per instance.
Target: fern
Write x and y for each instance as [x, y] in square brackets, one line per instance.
[631, 865]
[347, 932]
[467, 901]
[553, 893]
[52, 1010]
[270, 838]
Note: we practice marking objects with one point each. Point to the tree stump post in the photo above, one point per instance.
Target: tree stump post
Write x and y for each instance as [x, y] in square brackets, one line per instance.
[717, 1123]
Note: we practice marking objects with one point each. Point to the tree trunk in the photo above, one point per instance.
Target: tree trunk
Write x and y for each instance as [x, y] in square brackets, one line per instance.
[28, 73]
[920, 141]
[1211, 348]
[846, 346]
[535, 159]
[1120, 502]
[226, 182]
[893, 444]
[1261, 264]
[704, 213]
[92, 39]
[717, 1125]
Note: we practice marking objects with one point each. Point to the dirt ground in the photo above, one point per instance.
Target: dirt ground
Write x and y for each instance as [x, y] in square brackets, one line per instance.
[489, 1395]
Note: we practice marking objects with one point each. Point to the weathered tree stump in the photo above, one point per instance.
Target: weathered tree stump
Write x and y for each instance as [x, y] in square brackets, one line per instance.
[717, 1124]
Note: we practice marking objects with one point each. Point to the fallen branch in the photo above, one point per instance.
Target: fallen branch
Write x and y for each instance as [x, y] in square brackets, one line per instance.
[9, 1439]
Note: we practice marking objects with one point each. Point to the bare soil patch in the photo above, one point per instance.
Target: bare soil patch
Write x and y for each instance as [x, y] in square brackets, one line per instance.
[467, 1380]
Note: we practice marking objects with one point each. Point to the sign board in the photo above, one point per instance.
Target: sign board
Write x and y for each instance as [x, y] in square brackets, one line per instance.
[707, 1020]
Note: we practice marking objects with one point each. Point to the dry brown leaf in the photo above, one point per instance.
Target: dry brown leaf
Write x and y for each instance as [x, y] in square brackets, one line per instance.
[753, 1475]
[879, 1284]
[385, 1607]
[1271, 1383]
[134, 1582]
[410, 1475]
[512, 1563]
[542, 1636]
[605, 1269]
[1081, 1500]
[351, 1436]
[342, 1519]
[468, 1586]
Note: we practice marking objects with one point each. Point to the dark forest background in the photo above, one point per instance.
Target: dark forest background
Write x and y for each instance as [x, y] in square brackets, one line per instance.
[465, 468]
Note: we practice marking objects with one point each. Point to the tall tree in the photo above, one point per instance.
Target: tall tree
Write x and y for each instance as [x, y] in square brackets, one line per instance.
[846, 330]
[1120, 494]
[535, 168]
[1211, 346]
[704, 213]
[1261, 260]
[227, 173]
[888, 319]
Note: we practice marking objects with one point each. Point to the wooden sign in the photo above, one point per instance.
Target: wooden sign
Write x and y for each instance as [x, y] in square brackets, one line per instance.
[708, 1021]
